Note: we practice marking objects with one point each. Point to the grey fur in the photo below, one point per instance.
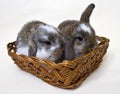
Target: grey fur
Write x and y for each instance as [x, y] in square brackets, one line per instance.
[77, 41]
[38, 38]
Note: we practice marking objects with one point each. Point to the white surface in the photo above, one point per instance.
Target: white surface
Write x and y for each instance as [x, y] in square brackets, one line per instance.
[105, 20]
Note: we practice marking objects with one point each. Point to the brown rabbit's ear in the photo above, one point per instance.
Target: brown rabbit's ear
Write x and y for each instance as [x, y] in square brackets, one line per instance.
[87, 13]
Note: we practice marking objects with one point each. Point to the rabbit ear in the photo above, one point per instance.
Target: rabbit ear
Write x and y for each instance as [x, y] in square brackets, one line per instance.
[87, 13]
[69, 51]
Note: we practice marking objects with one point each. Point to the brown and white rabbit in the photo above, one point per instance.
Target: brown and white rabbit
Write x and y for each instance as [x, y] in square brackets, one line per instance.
[41, 40]
[79, 36]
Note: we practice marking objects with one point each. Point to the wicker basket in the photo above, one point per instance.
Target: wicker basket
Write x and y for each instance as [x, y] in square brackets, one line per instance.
[68, 74]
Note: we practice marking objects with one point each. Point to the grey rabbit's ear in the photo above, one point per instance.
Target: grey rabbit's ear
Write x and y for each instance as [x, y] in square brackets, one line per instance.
[87, 13]
[69, 52]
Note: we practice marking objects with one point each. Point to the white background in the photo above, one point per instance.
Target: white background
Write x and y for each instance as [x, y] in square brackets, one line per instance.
[106, 21]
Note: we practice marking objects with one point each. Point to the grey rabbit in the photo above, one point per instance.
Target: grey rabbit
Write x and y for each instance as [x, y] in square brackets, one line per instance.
[39, 39]
[80, 37]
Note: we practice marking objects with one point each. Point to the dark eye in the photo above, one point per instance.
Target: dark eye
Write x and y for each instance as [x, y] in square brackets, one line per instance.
[79, 38]
[47, 42]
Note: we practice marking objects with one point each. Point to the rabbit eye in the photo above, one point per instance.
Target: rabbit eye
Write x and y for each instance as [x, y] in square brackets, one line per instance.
[79, 38]
[48, 42]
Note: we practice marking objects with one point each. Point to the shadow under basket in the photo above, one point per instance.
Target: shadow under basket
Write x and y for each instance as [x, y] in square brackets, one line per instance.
[67, 74]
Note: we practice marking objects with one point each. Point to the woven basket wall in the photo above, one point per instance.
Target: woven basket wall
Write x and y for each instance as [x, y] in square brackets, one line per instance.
[67, 74]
